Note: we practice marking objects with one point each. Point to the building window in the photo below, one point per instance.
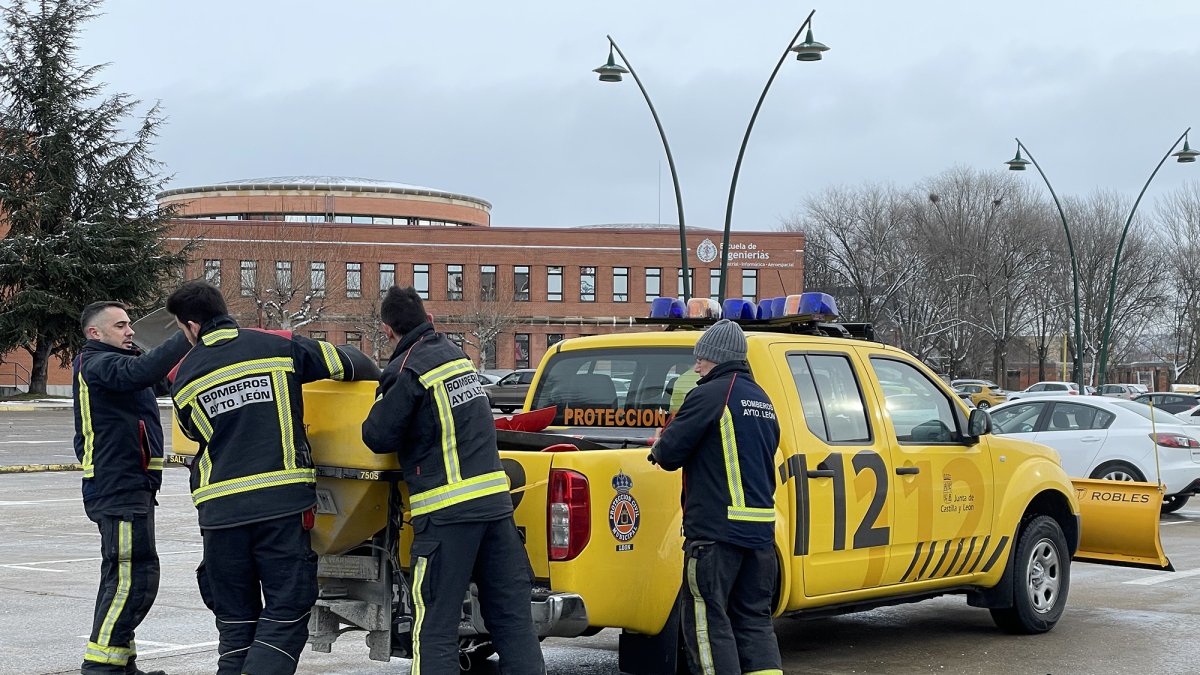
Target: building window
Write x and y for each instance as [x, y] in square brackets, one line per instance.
[587, 284]
[620, 284]
[653, 283]
[353, 280]
[354, 339]
[487, 284]
[750, 285]
[691, 280]
[714, 283]
[283, 275]
[454, 283]
[553, 339]
[387, 276]
[317, 334]
[521, 350]
[421, 280]
[249, 277]
[521, 283]
[316, 278]
[212, 272]
[457, 338]
[554, 286]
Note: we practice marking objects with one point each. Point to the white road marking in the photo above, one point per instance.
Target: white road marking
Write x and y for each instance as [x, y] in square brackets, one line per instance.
[1178, 522]
[36, 501]
[34, 569]
[24, 565]
[180, 648]
[1164, 577]
[31, 442]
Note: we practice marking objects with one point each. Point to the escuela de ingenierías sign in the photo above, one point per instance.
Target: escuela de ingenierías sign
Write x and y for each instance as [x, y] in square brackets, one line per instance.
[742, 254]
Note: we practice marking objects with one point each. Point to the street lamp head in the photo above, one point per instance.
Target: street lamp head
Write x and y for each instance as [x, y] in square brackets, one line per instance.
[610, 72]
[1186, 155]
[1017, 163]
[810, 49]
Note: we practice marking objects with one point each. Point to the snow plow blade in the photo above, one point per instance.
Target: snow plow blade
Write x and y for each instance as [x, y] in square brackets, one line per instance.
[1119, 524]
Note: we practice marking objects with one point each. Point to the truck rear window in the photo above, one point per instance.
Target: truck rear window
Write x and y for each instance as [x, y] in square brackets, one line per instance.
[628, 387]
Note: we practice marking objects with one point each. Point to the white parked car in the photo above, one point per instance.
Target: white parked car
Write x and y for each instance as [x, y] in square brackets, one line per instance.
[1108, 438]
[1125, 391]
[1046, 389]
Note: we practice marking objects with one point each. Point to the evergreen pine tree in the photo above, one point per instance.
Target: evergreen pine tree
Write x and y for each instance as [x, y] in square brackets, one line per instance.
[76, 189]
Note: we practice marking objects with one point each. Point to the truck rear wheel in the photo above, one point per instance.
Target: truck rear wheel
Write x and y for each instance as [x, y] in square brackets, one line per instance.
[1041, 579]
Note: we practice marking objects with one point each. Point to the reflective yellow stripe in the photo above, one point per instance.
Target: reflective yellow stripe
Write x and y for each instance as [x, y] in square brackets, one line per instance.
[283, 406]
[333, 362]
[446, 371]
[231, 372]
[201, 423]
[256, 482]
[701, 611]
[88, 431]
[419, 613]
[117, 656]
[205, 468]
[733, 470]
[124, 578]
[752, 514]
[457, 493]
[156, 464]
[210, 339]
[441, 399]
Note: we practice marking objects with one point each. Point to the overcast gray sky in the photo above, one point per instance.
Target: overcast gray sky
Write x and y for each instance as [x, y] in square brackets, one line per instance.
[497, 99]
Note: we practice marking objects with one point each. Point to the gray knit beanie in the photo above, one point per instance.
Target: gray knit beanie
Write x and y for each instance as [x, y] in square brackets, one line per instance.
[723, 341]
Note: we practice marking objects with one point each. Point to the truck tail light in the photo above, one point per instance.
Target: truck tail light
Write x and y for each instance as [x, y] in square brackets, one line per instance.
[1175, 440]
[569, 514]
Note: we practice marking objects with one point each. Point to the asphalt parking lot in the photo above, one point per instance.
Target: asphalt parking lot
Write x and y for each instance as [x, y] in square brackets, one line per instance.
[1118, 620]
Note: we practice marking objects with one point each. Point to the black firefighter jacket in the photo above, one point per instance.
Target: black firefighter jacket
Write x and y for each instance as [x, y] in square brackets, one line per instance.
[237, 394]
[432, 411]
[724, 437]
[118, 431]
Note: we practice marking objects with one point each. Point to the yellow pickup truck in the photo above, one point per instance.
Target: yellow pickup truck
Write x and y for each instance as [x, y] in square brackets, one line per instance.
[890, 490]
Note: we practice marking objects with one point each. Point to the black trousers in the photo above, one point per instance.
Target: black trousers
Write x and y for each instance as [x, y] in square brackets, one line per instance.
[727, 609]
[128, 585]
[243, 565]
[445, 560]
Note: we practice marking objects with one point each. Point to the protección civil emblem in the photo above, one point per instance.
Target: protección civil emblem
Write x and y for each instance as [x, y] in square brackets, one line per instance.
[624, 516]
[706, 251]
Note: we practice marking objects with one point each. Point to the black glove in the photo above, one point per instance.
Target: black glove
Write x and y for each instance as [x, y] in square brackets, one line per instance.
[650, 458]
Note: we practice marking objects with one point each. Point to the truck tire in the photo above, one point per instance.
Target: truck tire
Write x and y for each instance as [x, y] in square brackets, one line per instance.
[1041, 579]
[1172, 503]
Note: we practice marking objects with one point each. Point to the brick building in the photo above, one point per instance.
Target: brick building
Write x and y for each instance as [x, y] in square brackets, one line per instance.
[313, 253]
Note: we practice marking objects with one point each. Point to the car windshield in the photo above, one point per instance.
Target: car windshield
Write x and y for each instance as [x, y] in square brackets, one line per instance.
[627, 387]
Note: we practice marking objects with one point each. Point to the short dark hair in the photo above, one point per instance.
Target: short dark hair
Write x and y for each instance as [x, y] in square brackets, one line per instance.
[402, 309]
[90, 312]
[196, 301]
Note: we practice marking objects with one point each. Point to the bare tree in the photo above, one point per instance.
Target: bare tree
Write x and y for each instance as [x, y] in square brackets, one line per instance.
[291, 286]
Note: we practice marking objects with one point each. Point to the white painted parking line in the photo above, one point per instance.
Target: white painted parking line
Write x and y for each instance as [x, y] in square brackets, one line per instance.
[30, 502]
[1178, 522]
[33, 569]
[31, 442]
[1164, 577]
[180, 648]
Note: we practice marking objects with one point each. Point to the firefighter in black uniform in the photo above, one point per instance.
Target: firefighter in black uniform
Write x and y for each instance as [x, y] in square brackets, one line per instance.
[237, 394]
[724, 438]
[119, 442]
[432, 411]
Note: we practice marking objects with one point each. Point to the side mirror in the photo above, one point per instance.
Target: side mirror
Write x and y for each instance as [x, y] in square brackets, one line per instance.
[979, 423]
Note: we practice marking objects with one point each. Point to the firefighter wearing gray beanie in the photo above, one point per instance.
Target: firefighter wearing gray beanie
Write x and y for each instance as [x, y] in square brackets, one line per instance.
[723, 341]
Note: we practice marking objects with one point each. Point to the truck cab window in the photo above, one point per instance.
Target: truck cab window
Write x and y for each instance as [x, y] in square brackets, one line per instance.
[830, 397]
[920, 413]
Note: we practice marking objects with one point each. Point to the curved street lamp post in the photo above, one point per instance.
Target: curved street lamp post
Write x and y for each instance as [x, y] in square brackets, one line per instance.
[611, 72]
[809, 50]
[1018, 164]
[1184, 156]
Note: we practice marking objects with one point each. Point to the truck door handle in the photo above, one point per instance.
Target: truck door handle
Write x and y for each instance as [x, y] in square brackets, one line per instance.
[907, 470]
[819, 473]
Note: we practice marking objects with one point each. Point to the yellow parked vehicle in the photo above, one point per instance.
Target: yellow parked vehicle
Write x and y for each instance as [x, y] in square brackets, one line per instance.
[983, 395]
[889, 490]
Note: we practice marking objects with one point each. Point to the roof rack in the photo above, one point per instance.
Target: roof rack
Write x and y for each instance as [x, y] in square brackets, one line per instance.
[795, 325]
